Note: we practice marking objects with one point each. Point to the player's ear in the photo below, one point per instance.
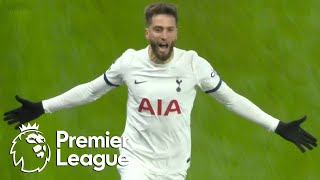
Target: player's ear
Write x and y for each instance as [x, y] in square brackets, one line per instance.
[146, 33]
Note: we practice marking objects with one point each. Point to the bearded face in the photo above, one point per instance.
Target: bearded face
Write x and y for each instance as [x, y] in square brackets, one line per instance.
[162, 36]
[162, 50]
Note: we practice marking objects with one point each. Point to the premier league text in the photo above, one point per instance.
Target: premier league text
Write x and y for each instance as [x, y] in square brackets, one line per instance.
[99, 161]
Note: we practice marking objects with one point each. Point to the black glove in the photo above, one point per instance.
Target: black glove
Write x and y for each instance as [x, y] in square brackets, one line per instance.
[294, 133]
[27, 112]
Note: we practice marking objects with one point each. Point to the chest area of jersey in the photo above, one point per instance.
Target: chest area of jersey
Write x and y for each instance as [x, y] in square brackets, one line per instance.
[160, 83]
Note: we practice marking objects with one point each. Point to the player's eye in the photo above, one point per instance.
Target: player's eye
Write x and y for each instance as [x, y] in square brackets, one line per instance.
[170, 29]
[157, 29]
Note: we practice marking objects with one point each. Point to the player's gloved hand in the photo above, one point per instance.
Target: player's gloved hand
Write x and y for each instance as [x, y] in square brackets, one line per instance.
[294, 133]
[27, 112]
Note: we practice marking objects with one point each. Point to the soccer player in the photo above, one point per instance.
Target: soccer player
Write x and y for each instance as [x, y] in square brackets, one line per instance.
[162, 81]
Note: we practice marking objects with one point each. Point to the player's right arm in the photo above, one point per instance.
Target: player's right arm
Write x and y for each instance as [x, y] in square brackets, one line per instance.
[79, 95]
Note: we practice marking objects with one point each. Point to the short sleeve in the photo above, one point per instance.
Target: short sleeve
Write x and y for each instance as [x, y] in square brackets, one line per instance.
[114, 75]
[207, 78]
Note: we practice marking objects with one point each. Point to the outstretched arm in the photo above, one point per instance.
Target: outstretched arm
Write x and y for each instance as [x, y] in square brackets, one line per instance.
[245, 108]
[210, 82]
[79, 95]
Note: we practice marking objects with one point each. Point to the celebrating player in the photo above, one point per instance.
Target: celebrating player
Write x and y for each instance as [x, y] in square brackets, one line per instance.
[162, 82]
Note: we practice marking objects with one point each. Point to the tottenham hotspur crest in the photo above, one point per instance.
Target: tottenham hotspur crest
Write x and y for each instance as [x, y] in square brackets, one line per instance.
[30, 149]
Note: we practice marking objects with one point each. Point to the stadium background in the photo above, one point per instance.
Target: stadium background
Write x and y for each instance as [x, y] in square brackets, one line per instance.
[266, 50]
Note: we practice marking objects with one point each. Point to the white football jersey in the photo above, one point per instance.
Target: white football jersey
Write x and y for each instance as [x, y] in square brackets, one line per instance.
[159, 105]
[160, 100]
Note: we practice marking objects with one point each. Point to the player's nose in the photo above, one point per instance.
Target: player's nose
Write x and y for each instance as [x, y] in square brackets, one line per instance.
[164, 35]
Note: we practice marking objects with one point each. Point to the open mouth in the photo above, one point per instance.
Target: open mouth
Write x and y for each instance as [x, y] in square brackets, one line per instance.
[163, 46]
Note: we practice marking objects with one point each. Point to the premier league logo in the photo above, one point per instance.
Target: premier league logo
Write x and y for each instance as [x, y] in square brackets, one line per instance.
[30, 149]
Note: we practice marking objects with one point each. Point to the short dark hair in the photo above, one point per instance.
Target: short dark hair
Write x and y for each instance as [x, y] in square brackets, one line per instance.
[160, 8]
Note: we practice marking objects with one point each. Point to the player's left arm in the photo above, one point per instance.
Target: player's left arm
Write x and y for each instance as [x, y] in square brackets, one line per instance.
[210, 82]
[242, 106]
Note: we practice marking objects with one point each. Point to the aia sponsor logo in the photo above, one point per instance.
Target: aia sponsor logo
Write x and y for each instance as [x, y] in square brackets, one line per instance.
[160, 109]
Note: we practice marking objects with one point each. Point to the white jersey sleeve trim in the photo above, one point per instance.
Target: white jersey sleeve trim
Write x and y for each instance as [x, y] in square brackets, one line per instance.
[216, 88]
[244, 107]
[108, 82]
[207, 78]
[79, 95]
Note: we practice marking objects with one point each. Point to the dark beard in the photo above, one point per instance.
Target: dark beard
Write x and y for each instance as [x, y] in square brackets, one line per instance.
[159, 56]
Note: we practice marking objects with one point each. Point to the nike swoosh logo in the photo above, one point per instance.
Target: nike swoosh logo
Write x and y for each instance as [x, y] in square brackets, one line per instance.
[139, 82]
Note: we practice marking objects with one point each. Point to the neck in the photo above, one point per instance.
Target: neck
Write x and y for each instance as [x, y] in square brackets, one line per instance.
[154, 59]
